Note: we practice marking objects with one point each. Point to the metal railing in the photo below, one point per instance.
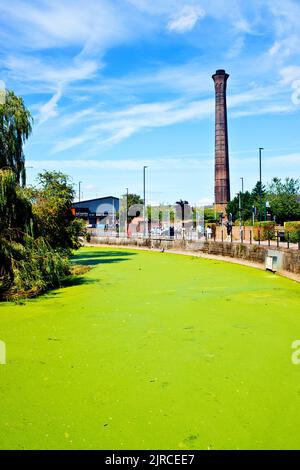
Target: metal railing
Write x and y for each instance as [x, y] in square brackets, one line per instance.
[271, 239]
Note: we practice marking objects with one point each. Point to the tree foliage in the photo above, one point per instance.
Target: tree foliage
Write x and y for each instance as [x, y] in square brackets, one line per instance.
[15, 223]
[37, 227]
[51, 203]
[28, 264]
[133, 200]
[282, 196]
[15, 128]
[248, 201]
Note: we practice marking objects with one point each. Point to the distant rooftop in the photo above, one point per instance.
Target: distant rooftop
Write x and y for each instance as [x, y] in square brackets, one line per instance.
[95, 199]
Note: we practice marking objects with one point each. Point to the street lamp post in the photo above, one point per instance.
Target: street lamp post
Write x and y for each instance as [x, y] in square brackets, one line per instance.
[182, 203]
[260, 185]
[144, 190]
[240, 203]
[240, 207]
[126, 212]
[79, 190]
[267, 206]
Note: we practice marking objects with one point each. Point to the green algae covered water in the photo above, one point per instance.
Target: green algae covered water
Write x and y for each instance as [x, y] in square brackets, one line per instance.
[153, 351]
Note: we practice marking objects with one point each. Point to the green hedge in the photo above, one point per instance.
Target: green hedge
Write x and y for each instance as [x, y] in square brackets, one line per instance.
[264, 230]
[293, 229]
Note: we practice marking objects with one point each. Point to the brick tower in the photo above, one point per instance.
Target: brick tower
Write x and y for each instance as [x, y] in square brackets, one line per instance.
[222, 180]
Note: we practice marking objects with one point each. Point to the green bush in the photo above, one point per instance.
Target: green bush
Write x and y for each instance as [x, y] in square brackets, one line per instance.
[293, 229]
[245, 223]
[37, 227]
[264, 230]
[248, 223]
[40, 268]
[29, 265]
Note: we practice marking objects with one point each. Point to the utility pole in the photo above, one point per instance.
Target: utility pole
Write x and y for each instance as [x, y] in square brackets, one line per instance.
[79, 190]
[242, 178]
[182, 203]
[241, 202]
[260, 185]
[240, 209]
[126, 212]
[144, 190]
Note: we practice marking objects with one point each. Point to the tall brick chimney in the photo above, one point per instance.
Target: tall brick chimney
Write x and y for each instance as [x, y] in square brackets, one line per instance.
[222, 179]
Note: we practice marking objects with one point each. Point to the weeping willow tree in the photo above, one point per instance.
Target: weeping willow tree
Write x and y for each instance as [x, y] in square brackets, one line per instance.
[15, 209]
[37, 230]
[15, 224]
[28, 264]
[15, 128]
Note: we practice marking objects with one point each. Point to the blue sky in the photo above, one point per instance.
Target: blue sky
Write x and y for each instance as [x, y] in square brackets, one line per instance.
[115, 85]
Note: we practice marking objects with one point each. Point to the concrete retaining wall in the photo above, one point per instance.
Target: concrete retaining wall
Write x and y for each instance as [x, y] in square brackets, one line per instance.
[288, 260]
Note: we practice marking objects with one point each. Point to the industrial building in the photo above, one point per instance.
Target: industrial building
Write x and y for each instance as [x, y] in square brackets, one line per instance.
[98, 213]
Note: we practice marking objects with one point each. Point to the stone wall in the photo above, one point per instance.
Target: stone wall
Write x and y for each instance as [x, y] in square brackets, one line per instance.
[288, 260]
[253, 253]
[291, 261]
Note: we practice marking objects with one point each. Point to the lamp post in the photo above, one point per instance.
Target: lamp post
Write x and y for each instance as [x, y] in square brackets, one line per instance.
[240, 208]
[241, 202]
[126, 212]
[79, 190]
[182, 203]
[242, 178]
[260, 184]
[267, 206]
[144, 190]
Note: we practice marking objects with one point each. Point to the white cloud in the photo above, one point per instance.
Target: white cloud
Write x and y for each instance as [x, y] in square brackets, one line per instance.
[236, 48]
[69, 143]
[74, 36]
[104, 128]
[288, 159]
[271, 109]
[189, 78]
[285, 48]
[243, 26]
[291, 76]
[118, 125]
[179, 163]
[32, 69]
[296, 93]
[186, 19]
[49, 109]
[47, 23]
[275, 48]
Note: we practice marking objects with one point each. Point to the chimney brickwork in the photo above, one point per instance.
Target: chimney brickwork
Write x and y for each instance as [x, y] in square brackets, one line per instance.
[222, 178]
